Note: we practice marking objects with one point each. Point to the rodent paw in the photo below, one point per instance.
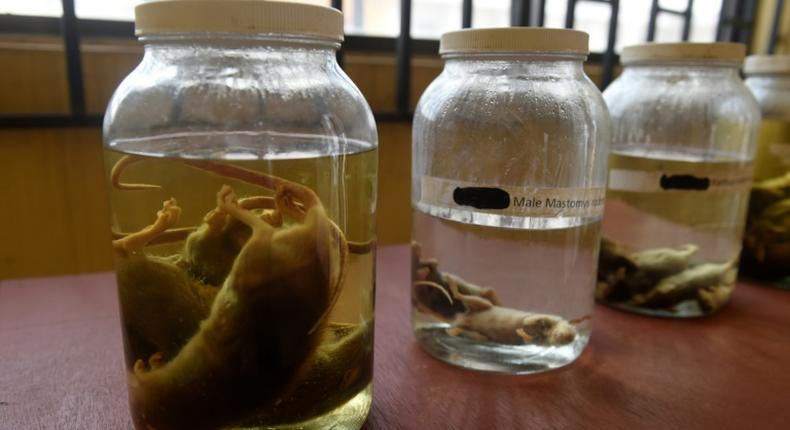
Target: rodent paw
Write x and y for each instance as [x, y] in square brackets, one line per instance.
[169, 213]
[226, 199]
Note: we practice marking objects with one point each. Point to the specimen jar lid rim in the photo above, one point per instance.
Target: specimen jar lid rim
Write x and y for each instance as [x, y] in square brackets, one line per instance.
[684, 51]
[515, 39]
[756, 64]
[237, 16]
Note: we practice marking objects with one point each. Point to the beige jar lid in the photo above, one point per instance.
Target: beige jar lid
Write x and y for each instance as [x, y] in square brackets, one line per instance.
[775, 64]
[684, 51]
[237, 16]
[515, 39]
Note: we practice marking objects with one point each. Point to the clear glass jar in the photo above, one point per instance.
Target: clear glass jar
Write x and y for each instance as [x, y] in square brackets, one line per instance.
[766, 242]
[679, 174]
[242, 171]
[508, 181]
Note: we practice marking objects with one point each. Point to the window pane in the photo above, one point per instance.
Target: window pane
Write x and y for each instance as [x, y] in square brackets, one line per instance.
[372, 17]
[115, 10]
[678, 4]
[431, 18]
[632, 23]
[669, 28]
[705, 20]
[31, 7]
[491, 13]
[594, 19]
[555, 14]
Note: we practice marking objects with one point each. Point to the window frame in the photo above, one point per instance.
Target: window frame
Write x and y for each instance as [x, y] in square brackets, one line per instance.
[404, 47]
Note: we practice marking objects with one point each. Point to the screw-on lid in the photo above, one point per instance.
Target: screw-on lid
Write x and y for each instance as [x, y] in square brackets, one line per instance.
[515, 39]
[684, 51]
[237, 16]
[769, 64]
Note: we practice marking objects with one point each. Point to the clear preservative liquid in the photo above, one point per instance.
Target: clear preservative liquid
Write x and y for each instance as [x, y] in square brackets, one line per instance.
[508, 182]
[534, 270]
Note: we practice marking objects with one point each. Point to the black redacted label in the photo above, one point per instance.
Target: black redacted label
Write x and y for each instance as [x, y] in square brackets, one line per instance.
[512, 200]
[481, 197]
[638, 174]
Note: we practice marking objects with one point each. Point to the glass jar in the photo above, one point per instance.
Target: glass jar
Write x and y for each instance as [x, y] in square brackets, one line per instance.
[679, 175]
[508, 180]
[766, 244]
[242, 170]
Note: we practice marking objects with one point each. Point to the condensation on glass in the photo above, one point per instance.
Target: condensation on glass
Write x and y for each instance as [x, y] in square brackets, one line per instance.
[241, 165]
[766, 241]
[508, 180]
[680, 168]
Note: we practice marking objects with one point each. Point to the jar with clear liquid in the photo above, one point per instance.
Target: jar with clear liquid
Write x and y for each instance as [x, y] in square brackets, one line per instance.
[241, 165]
[766, 241]
[680, 168]
[508, 179]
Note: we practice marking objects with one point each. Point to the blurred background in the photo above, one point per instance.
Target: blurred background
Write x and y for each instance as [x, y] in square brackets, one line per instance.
[60, 61]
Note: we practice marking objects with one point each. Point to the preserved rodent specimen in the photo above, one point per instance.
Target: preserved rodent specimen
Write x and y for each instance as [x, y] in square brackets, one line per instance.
[475, 312]
[238, 318]
[662, 278]
[767, 235]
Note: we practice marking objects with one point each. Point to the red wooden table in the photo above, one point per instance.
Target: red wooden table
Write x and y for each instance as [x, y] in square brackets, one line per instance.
[61, 366]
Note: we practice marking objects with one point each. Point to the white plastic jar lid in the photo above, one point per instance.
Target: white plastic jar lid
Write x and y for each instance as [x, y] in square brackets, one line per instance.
[515, 39]
[237, 16]
[684, 51]
[769, 64]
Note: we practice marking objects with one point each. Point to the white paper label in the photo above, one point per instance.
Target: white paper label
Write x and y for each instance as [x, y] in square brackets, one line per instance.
[512, 200]
[647, 175]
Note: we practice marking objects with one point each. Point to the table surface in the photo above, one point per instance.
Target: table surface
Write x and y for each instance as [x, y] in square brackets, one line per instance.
[61, 366]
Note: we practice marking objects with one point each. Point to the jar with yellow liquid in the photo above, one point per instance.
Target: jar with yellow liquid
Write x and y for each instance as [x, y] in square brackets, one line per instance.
[766, 245]
[241, 164]
[679, 176]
